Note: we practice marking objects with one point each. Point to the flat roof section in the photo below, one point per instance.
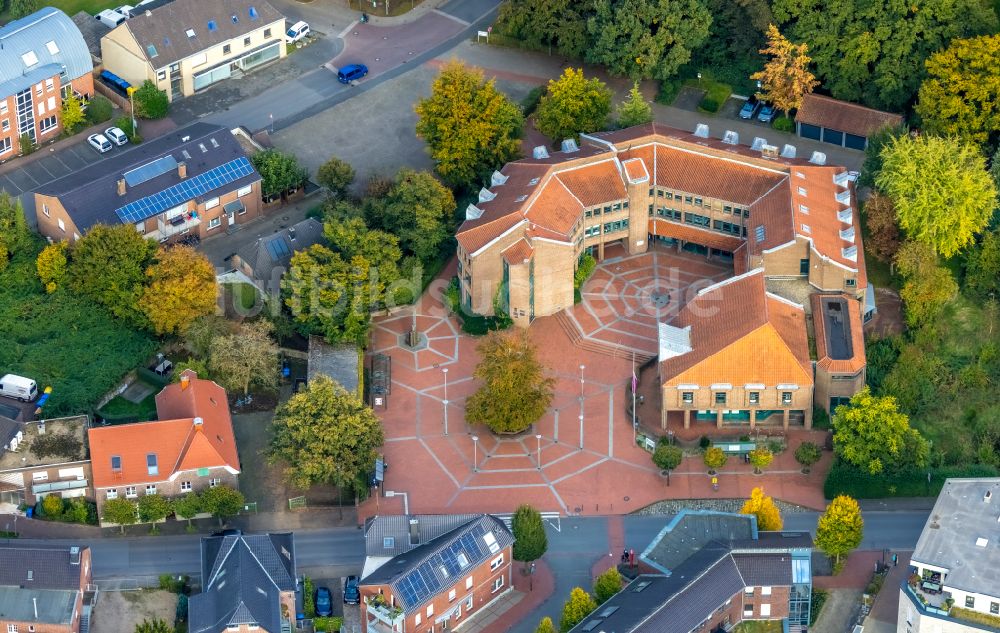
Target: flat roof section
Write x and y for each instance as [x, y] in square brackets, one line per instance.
[837, 320]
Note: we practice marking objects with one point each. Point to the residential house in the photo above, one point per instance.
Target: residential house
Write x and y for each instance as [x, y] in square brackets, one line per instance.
[25, 478]
[45, 589]
[432, 573]
[264, 261]
[954, 586]
[190, 447]
[184, 46]
[44, 60]
[11, 434]
[193, 181]
[711, 571]
[840, 122]
[248, 584]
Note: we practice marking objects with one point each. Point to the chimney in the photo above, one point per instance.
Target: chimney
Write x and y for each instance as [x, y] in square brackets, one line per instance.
[121, 186]
[414, 531]
[988, 496]
[74, 555]
[182, 170]
[185, 381]
[198, 423]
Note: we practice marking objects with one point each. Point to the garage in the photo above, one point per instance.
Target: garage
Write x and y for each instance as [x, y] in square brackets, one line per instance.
[840, 123]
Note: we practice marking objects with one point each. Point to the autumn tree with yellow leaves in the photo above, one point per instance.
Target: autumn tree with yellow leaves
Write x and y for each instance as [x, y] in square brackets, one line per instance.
[762, 506]
[786, 77]
[181, 287]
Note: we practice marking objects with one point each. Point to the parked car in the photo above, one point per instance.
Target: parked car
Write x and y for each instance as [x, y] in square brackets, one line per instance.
[324, 602]
[100, 143]
[116, 135]
[766, 114]
[110, 18]
[228, 532]
[352, 590]
[13, 386]
[750, 108]
[299, 30]
[351, 72]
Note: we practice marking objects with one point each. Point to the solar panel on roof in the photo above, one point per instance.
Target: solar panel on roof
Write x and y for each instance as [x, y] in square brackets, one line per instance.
[150, 170]
[277, 248]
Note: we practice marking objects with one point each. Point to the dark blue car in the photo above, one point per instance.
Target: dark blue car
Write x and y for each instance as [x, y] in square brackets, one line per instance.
[324, 602]
[351, 72]
[352, 592]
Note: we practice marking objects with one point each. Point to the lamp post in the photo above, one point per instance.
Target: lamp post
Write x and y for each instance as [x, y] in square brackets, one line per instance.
[475, 453]
[131, 103]
[581, 406]
[445, 371]
[538, 449]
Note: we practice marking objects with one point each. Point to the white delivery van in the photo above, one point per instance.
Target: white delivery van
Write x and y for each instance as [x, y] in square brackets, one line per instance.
[109, 18]
[24, 389]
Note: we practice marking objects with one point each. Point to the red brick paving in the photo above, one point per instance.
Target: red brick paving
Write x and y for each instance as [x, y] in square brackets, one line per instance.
[857, 572]
[886, 604]
[383, 48]
[536, 590]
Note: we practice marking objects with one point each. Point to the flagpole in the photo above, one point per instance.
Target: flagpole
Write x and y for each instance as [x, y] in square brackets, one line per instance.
[635, 384]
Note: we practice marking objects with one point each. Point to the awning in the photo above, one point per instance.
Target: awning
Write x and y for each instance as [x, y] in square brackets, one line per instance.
[235, 206]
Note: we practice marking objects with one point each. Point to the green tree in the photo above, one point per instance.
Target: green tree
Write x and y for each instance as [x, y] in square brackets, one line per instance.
[470, 127]
[99, 109]
[646, 39]
[873, 152]
[52, 506]
[545, 626]
[515, 391]
[761, 458]
[420, 210]
[871, 434]
[762, 506]
[336, 175]
[883, 240]
[855, 57]
[807, 454]
[150, 102]
[72, 113]
[962, 88]
[223, 502]
[279, 173]
[187, 506]
[153, 508]
[530, 540]
[607, 585]
[247, 357]
[840, 527]
[928, 287]
[579, 606]
[715, 458]
[181, 288]
[51, 265]
[635, 110]
[15, 235]
[121, 511]
[785, 79]
[351, 239]
[155, 625]
[108, 265]
[941, 190]
[982, 272]
[22, 8]
[25, 144]
[325, 435]
[555, 24]
[667, 457]
[573, 105]
[202, 331]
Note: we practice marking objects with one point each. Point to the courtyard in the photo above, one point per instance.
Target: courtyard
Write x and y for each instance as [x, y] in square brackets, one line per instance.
[581, 457]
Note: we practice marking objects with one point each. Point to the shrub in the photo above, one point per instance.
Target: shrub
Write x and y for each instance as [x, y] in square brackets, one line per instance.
[308, 606]
[26, 145]
[52, 506]
[668, 91]
[584, 270]
[715, 96]
[530, 102]
[821, 419]
[76, 510]
[847, 480]
[807, 454]
[99, 109]
[715, 458]
[327, 625]
[704, 442]
[124, 123]
[784, 124]
[150, 102]
[817, 600]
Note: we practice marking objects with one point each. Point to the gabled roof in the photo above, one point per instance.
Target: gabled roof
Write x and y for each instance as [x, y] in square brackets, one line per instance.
[420, 573]
[844, 116]
[245, 576]
[840, 341]
[518, 253]
[166, 27]
[50, 566]
[177, 441]
[51, 42]
[268, 257]
[9, 430]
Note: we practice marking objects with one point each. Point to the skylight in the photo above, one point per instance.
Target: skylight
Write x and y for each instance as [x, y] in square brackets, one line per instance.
[253, 13]
[29, 58]
[982, 542]
[52, 47]
[116, 463]
[189, 32]
[151, 49]
[759, 233]
[236, 19]
[211, 25]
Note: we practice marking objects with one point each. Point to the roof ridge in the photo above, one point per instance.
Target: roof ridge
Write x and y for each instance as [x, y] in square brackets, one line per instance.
[687, 585]
[848, 103]
[725, 282]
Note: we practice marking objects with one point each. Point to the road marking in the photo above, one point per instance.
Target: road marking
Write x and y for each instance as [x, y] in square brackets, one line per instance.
[452, 17]
[346, 30]
[13, 190]
[25, 172]
[39, 163]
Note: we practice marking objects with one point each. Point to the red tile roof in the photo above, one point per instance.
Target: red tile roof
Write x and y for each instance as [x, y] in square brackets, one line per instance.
[594, 184]
[712, 177]
[844, 116]
[178, 443]
[518, 253]
[689, 233]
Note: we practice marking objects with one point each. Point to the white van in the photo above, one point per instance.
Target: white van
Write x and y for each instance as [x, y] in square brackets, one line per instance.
[299, 30]
[24, 389]
[109, 18]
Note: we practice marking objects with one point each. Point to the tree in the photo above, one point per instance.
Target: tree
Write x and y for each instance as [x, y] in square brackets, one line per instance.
[279, 173]
[883, 233]
[223, 502]
[121, 511]
[515, 391]
[807, 454]
[982, 268]
[545, 626]
[857, 61]
[530, 540]
[247, 357]
[762, 506]
[761, 457]
[635, 110]
[181, 289]
[646, 39]
[150, 101]
[573, 104]
[941, 189]
[187, 506]
[52, 505]
[840, 527]
[336, 175]
[786, 77]
[558, 24]
[579, 606]
[153, 508]
[325, 435]
[928, 287]
[607, 585]
[22, 8]
[873, 152]
[959, 95]
[108, 265]
[51, 265]
[667, 457]
[418, 209]
[470, 127]
[715, 458]
[870, 433]
[72, 113]
[14, 233]
[155, 625]
[202, 331]
[351, 239]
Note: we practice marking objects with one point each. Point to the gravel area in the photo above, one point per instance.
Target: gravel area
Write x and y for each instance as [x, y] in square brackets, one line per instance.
[839, 612]
[673, 506]
[121, 611]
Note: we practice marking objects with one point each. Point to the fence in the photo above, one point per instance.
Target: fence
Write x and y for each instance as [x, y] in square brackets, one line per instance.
[296, 503]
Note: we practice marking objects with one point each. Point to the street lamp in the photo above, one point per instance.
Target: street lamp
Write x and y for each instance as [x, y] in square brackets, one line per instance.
[445, 370]
[131, 103]
[581, 406]
[475, 453]
[538, 449]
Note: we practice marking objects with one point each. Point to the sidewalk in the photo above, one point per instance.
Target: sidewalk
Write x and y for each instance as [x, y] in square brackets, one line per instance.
[532, 592]
[35, 528]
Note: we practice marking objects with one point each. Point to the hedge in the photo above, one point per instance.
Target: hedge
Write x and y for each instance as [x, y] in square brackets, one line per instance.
[848, 480]
[715, 96]
[784, 124]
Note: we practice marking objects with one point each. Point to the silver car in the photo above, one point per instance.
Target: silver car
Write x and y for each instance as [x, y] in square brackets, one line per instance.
[100, 143]
[116, 135]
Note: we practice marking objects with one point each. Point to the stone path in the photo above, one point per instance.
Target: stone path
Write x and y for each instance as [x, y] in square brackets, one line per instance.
[839, 611]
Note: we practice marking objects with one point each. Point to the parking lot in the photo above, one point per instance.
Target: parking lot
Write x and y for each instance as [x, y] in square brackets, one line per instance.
[28, 175]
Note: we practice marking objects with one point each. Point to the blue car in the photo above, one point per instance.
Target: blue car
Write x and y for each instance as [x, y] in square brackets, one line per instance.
[766, 114]
[324, 602]
[750, 108]
[351, 72]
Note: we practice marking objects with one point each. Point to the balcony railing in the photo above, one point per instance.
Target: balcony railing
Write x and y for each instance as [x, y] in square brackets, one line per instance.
[53, 486]
[391, 617]
[168, 229]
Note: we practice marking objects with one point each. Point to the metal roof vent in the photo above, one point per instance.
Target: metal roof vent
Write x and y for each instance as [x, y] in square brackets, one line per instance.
[758, 142]
[485, 195]
[818, 158]
[540, 152]
[788, 151]
[569, 146]
[731, 137]
[701, 130]
[497, 179]
[844, 197]
[769, 151]
[988, 496]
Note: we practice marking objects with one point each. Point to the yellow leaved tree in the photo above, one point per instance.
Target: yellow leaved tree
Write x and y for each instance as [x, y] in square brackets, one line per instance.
[762, 506]
[181, 287]
[786, 77]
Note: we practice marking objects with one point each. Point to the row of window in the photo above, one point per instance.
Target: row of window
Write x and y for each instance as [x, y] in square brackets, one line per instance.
[696, 201]
[970, 603]
[608, 227]
[131, 492]
[721, 397]
[610, 208]
[498, 584]
[12, 628]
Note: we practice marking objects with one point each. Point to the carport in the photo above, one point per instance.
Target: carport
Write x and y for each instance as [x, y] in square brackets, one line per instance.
[840, 122]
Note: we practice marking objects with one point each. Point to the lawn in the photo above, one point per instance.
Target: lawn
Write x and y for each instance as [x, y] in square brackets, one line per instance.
[758, 626]
[63, 340]
[120, 409]
[72, 7]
